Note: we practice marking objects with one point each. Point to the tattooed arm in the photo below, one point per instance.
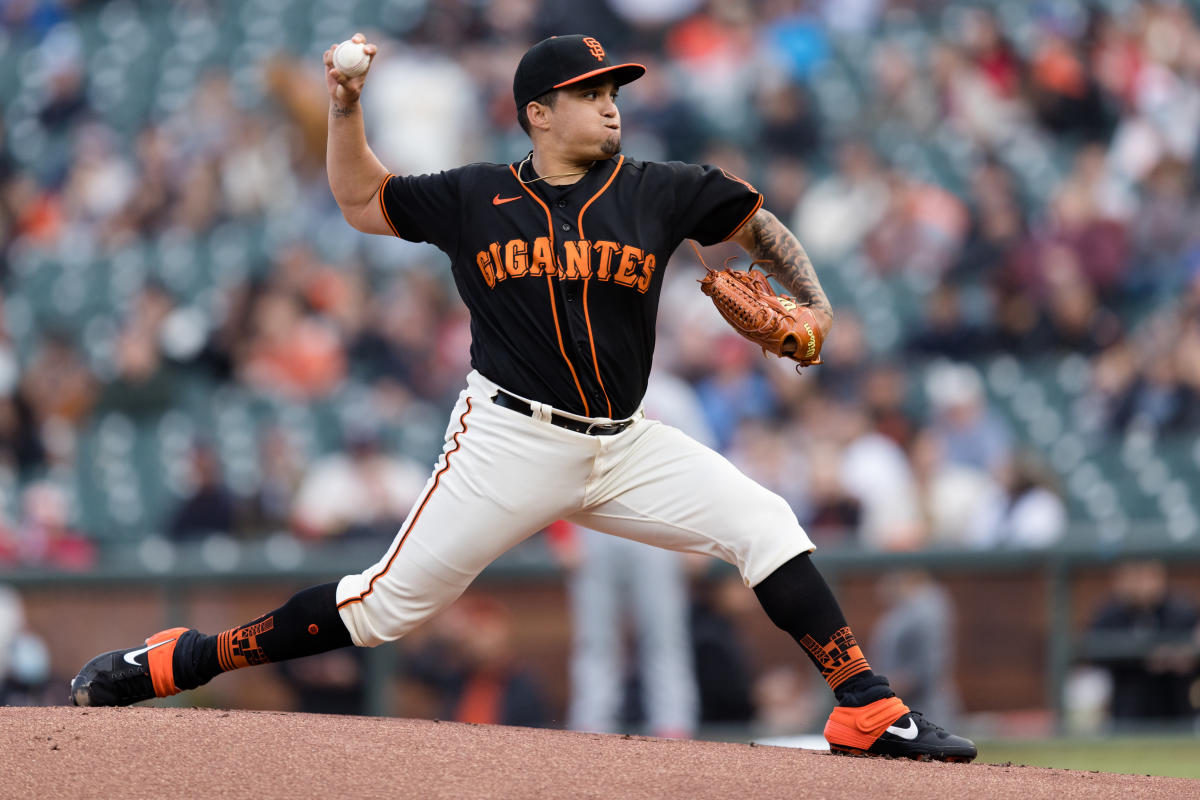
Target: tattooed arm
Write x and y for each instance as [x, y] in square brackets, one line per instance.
[355, 174]
[765, 238]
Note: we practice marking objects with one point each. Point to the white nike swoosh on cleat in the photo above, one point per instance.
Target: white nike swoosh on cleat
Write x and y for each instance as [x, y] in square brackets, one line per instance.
[132, 654]
[909, 733]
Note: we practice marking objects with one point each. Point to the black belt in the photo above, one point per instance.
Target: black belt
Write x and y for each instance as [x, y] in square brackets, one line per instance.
[506, 400]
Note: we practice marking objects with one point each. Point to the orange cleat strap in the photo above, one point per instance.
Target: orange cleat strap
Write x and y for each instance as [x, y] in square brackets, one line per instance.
[161, 661]
[860, 727]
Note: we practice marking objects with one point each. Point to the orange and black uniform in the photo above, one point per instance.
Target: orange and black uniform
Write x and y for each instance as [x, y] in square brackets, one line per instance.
[563, 282]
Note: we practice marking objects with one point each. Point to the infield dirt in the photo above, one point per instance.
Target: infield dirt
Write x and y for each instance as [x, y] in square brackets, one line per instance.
[166, 753]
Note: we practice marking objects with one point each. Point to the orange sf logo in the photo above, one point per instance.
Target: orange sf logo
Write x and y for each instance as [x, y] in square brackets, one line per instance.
[594, 47]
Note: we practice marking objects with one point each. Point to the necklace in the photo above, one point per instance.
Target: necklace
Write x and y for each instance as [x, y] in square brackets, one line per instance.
[547, 177]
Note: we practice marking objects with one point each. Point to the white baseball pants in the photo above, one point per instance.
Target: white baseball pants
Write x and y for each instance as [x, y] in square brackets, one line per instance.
[503, 476]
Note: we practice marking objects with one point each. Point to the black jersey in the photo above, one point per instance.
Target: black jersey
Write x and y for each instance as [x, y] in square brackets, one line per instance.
[563, 282]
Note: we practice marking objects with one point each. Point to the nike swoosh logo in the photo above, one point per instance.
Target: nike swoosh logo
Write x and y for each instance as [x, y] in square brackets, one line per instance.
[132, 654]
[909, 733]
[499, 201]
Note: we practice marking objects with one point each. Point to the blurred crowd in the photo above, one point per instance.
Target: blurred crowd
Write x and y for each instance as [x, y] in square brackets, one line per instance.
[1025, 173]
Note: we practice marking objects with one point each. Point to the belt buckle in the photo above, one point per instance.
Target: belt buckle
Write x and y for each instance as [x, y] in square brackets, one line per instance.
[603, 428]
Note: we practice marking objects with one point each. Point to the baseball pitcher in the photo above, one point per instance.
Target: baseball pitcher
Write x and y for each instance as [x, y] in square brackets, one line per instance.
[559, 257]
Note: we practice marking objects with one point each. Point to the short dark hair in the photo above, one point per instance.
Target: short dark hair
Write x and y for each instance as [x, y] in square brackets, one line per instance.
[547, 99]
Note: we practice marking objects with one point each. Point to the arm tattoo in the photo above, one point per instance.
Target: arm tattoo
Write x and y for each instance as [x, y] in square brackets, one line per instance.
[341, 111]
[775, 244]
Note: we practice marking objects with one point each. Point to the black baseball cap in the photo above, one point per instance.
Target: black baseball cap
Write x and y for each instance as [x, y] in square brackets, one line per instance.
[562, 60]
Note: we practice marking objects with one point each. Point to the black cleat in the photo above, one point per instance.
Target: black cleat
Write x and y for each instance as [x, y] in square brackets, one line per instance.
[887, 728]
[125, 677]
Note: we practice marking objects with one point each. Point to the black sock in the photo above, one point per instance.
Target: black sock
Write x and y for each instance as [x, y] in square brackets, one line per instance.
[798, 600]
[305, 625]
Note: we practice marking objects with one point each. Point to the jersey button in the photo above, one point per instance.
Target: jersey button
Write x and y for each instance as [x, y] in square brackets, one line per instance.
[561, 204]
[566, 226]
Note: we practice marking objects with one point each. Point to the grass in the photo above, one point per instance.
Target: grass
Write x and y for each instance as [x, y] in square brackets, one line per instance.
[1175, 756]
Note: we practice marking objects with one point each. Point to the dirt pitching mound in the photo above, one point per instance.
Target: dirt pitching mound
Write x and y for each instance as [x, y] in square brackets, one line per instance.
[167, 752]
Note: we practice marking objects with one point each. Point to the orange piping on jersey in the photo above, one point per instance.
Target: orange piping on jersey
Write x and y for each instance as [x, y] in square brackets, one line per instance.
[733, 177]
[400, 542]
[550, 290]
[603, 189]
[588, 280]
[383, 207]
[753, 211]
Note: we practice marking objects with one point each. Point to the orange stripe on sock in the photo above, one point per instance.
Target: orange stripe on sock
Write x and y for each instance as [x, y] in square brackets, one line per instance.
[847, 672]
[225, 650]
[838, 659]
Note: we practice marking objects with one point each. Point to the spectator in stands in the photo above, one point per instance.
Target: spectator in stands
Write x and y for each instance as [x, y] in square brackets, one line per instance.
[57, 384]
[1063, 94]
[211, 508]
[997, 228]
[290, 354]
[34, 211]
[659, 119]
[835, 514]
[920, 232]
[1076, 322]
[735, 390]
[148, 210]
[976, 106]
[1142, 610]
[950, 493]
[901, 95]
[361, 491]
[256, 174]
[887, 402]
[1024, 510]
[1087, 217]
[1164, 228]
[839, 211]
[944, 329]
[876, 472]
[281, 471]
[43, 536]
[968, 430]
[21, 449]
[64, 99]
[789, 124]
[847, 354]
[142, 388]
[775, 458]
[1142, 387]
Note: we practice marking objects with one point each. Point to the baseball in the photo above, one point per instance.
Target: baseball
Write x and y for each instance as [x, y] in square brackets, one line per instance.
[351, 59]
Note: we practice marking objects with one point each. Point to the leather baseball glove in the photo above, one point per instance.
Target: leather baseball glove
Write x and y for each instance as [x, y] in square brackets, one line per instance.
[776, 323]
